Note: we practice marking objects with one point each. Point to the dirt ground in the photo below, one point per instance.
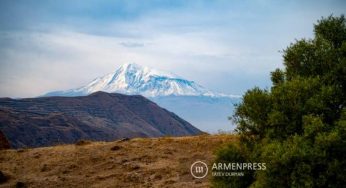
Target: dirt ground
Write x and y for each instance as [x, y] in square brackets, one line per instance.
[141, 162]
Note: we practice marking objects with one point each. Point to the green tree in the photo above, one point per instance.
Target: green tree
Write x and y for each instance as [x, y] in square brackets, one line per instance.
[298, 127]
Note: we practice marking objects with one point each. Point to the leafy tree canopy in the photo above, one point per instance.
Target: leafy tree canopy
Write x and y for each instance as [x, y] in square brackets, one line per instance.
[298, 126]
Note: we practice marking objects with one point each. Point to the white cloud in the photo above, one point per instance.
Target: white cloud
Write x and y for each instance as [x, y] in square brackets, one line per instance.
[45, 61]
[225, 47]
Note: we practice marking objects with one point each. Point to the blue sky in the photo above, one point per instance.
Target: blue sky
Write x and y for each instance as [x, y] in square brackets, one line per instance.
[227, 46]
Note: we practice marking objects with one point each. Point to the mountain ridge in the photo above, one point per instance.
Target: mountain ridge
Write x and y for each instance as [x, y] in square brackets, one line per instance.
[100, 116]
[134, 79]
[203, 108]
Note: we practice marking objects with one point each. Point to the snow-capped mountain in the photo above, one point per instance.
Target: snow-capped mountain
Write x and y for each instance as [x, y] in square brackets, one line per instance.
[135, 79]
[207, 110]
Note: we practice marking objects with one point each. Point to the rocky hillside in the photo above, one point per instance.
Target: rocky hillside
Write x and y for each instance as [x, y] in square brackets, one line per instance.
[101, 116]
[139, 162]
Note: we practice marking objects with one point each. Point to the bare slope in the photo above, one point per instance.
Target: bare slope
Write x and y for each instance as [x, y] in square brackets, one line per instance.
[141, 162]
[101, 116]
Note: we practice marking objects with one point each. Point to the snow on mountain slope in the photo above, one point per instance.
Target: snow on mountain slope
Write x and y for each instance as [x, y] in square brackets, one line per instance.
[207, 110]
[135, 79]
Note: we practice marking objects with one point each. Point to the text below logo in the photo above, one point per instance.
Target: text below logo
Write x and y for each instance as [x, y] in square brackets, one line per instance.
[199, 169]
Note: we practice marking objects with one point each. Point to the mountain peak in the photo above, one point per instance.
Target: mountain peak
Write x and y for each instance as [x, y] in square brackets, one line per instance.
[131, 66]
[134, 79]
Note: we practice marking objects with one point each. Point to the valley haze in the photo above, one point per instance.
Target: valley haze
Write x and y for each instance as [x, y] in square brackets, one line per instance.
[100, 116]
[205, 109]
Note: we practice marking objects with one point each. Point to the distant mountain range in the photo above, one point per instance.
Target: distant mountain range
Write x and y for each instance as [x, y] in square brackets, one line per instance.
[101, 116]
[202, 107]
[133, 79]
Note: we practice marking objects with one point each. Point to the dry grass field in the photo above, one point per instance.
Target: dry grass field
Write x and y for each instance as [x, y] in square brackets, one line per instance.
[140, 162]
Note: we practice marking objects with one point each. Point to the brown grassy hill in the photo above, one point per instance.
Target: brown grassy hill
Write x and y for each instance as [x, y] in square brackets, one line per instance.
[46, 121]
[140, 162]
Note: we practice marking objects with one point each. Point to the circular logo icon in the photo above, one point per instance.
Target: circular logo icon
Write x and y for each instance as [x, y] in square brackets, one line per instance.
[199, 169]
